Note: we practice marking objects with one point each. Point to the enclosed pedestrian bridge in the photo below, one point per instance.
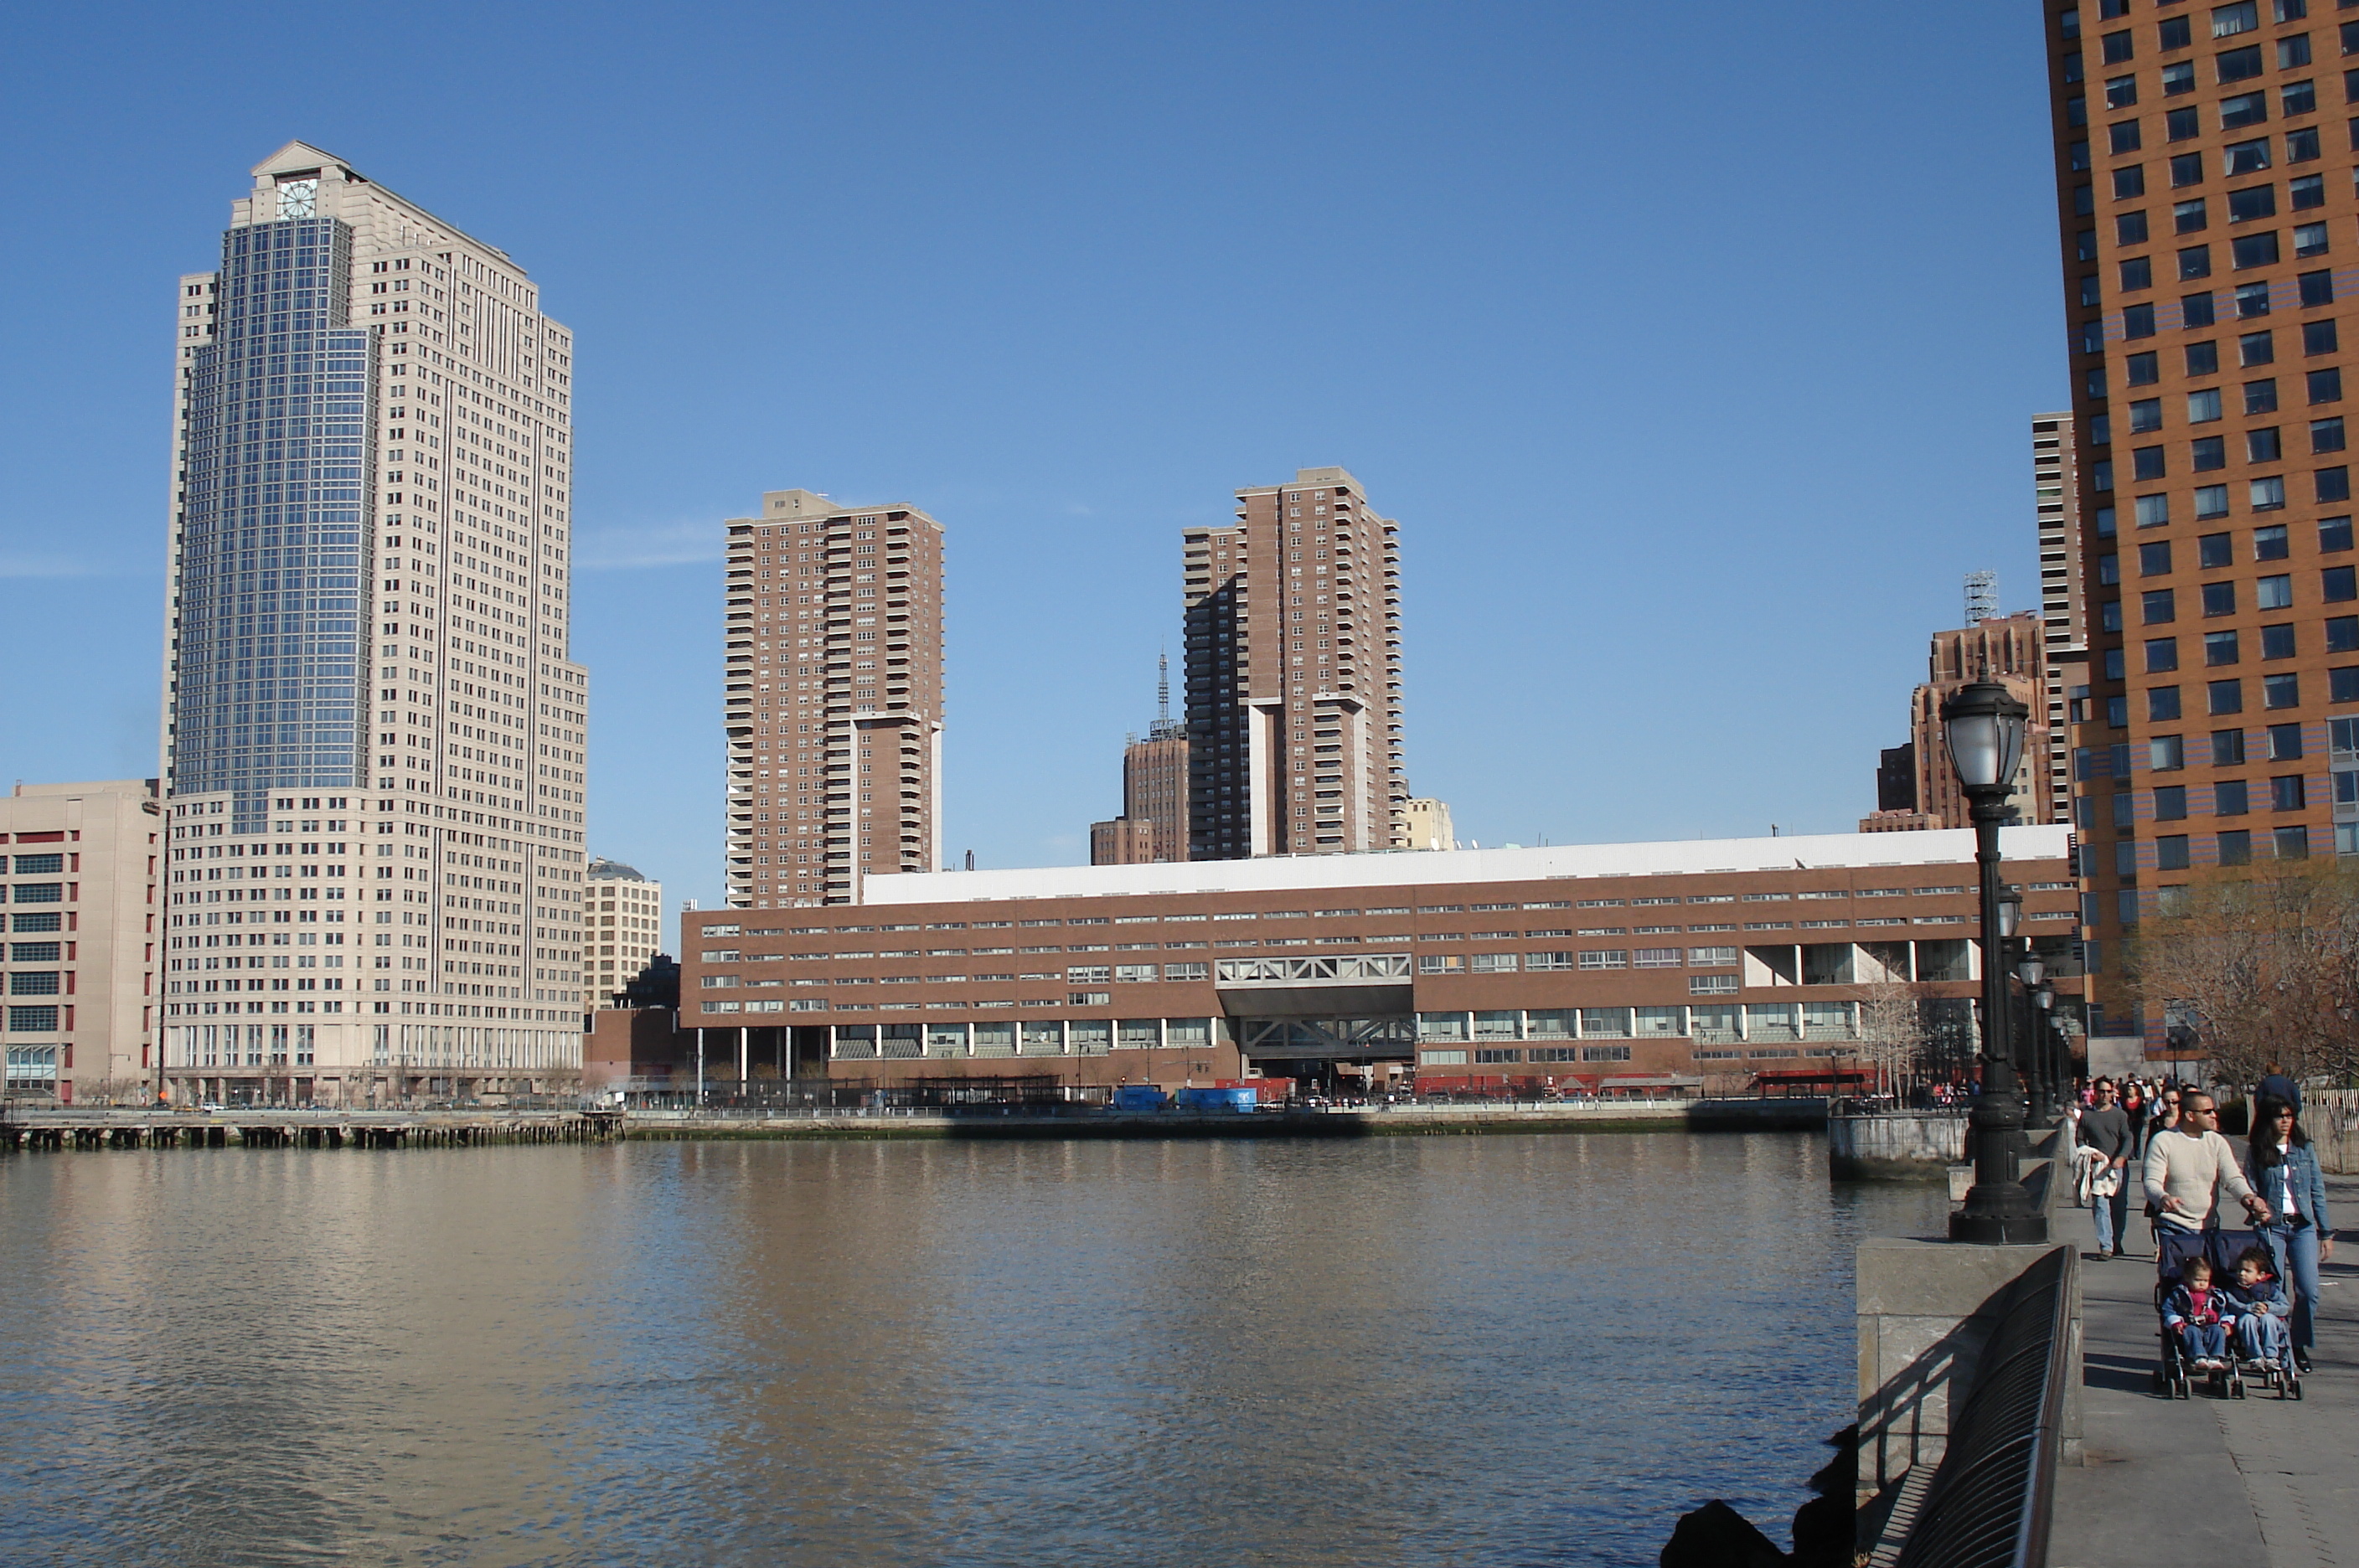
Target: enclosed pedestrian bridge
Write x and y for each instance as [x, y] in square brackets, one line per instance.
[1354, 1003]
[1371, 983]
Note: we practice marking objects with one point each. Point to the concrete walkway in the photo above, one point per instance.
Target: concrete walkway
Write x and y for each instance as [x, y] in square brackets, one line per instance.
[2211, 1483]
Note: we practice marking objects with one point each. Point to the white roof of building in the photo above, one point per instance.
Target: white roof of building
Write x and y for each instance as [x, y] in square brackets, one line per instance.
[1943, 846]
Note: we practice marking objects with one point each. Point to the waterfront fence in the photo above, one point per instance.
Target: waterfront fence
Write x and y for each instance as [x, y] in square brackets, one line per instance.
[1988, 1505]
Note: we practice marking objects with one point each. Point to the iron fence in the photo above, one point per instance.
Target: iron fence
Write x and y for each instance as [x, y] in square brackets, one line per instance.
[1988, 1505]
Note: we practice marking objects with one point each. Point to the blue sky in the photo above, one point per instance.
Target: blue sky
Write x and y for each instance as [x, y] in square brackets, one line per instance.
[1692, 347]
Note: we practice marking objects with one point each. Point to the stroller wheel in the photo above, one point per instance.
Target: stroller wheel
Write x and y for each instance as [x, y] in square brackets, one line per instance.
[2297, 1390]
[2162, 1382]
[2236, 1390]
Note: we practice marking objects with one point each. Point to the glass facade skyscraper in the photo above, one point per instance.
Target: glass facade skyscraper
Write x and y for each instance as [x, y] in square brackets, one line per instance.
[375, 743]
[269, 650]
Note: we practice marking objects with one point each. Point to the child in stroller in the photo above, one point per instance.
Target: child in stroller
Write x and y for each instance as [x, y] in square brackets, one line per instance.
[2196, 1314]
[2262, 1345]
[2199, 1313]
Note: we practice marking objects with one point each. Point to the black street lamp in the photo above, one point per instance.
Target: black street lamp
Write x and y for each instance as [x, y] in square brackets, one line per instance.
[2059, 1066]
[2036, 1055]
[1984, 725]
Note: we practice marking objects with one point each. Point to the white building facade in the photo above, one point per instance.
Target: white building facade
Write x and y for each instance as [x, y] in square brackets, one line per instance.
[81, 880]
[368, 604]
[626, 911]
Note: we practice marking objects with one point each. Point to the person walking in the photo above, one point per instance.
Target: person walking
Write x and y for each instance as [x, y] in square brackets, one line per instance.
[2105, 1128]
[2276, 1084]
[2188, 1164]
[2292, 1187]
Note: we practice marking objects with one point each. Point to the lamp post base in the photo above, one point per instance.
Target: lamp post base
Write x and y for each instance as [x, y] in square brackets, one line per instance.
[2018, 1224]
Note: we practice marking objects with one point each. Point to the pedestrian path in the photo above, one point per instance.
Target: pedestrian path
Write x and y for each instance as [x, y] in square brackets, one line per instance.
[2206, 1482]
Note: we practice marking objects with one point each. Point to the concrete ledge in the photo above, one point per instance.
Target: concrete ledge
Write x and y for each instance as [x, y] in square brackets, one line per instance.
[1926, 1309]
[1902, 1146]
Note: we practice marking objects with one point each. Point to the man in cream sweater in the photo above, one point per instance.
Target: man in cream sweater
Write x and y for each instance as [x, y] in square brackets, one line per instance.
[2187, 1167]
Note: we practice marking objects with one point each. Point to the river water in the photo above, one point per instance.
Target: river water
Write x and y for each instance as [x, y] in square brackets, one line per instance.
[1500, 1350]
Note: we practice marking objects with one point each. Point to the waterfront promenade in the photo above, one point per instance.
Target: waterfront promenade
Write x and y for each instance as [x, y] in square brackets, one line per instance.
[2206, 1482]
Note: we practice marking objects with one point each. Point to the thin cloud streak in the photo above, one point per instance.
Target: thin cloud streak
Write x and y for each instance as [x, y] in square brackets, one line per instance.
[659, 544]
[44, 566]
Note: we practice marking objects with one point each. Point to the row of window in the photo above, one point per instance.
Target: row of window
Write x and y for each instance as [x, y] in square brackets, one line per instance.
[2177, 78]
[37, 1019]
[2160, 606]
[2271, 541]
[2204, 406]
[1763, 1021]
[2237, 111]
[2172, 850]
[2222, 649]
[2221, 698]
[2212, 551]
[2284, 742]
[2208, 452]
[2227, 798]
[2249, 300]
[2174, 33]
[2168, 754]
[1047, 1037]
[2145, 369]
[2193, 215]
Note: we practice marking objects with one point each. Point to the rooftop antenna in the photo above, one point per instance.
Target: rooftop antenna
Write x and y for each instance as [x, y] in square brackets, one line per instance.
[1982, 597]
[1164, 728]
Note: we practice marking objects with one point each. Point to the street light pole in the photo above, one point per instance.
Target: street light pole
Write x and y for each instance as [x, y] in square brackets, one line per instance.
[2044, 1098]
[1984, 725]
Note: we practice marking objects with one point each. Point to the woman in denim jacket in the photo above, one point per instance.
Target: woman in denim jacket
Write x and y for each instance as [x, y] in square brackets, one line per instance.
[2284, 1173]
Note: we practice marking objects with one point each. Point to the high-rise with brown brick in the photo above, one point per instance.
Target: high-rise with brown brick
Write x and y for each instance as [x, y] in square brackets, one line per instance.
[834, 699]
[1153, 822]
[2063, 599]
[2207, 219]
[1294, 675]
[2011, 651]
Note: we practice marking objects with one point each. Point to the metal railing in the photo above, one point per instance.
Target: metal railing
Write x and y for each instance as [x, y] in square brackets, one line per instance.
[1988, 1505]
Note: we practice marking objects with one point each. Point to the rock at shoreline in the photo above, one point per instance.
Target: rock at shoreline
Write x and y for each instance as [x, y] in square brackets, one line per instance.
[1717, 1536]
[1824, 1527]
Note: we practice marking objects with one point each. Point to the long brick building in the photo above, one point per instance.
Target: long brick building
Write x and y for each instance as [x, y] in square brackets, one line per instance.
[1614, 965]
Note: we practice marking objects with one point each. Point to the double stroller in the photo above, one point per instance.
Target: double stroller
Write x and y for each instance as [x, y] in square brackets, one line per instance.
[2175, 1374]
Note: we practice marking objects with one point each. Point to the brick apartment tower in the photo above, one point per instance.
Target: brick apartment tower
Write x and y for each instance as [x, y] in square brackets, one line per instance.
[2010, 650]
[833, 704]
[1153, 822]
[2063, 597]
[2203, 295]
[1294, 675]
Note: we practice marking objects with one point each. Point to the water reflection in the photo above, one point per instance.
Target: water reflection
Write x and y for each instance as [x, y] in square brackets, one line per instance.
[1500, 1350]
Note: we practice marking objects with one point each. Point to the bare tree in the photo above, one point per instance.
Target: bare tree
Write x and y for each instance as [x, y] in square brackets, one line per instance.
[1892, 1032]
[2257, 965]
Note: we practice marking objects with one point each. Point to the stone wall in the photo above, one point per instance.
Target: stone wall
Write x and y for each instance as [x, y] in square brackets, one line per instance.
[1902, 1146]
